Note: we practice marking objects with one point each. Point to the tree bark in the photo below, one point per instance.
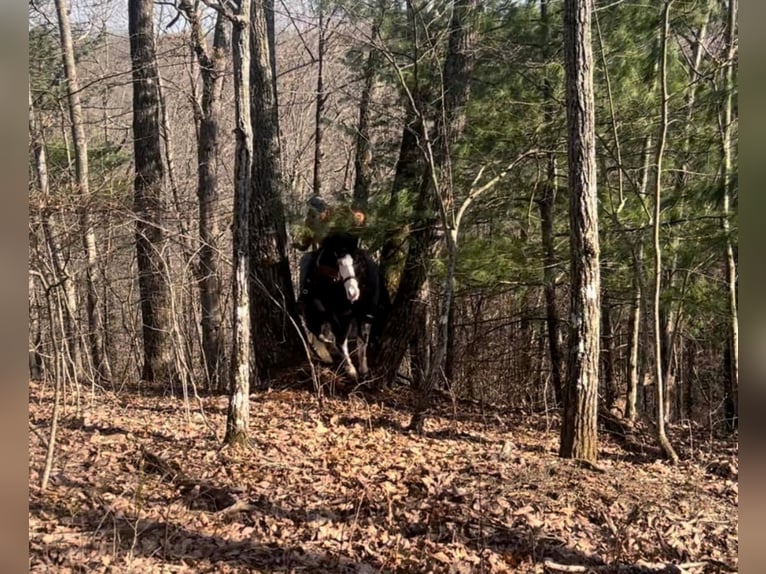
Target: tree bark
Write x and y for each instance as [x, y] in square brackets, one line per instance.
[608, 353]
[272, 300]
[664, 442]
[363, 153]
[436, 187]
[634, 334]
[579, 438]
[731, 389]
[150, 236]
[321, 98]
[62, 278]
[408, 164]
[82, 189]
[238, 416]
[547, 203]
[212, 70]
[35, 333]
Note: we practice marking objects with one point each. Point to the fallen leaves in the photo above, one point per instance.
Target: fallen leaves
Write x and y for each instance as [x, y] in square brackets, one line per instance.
[346, 490]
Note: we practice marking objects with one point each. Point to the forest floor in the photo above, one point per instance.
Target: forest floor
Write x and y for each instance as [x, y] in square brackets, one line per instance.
[140, 483]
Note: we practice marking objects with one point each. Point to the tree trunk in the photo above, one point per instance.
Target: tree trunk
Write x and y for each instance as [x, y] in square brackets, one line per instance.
[662, 438]
[634, 334]
[272, 300]
[35, 333]
[436, 186]
[363, 155]
[321, 98]
[449, 361]
[579, 438]
[608, 354]
[212, 70]
[238, 416]
[150, 237]
[408, 164]
[95, 321]
[547, 203]
[58, 266]
[731, 380]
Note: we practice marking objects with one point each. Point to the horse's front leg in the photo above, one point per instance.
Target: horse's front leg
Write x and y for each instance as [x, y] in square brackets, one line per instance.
[363, 339]
[346, 356]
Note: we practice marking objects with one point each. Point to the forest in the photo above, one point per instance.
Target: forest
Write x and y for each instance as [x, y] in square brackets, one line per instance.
[383, 286]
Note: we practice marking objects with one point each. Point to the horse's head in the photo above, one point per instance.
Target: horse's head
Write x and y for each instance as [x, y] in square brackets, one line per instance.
[339, 250]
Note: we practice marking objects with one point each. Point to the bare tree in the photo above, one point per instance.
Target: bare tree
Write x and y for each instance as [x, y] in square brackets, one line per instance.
[272, 300]
[363, 152]
[727, 174]
[148, 204]
[212, 70]
[662, 438]
[434, 189]
[321, 97]
[61, 276]
[579, 437]
[238, 416]
[546, 203]
[95, 322]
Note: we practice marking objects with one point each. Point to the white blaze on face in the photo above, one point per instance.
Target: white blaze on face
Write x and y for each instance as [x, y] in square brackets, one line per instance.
[350, 283]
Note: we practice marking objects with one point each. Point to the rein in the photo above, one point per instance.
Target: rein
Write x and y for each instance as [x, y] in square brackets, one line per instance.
[331, 273]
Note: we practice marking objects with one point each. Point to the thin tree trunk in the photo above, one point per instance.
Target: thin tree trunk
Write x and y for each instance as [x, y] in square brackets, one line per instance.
[634, 334]
[608, 353]
[62, 277]
[238, 417]
[321, 98]
[579, 438]
[437, 185]
[93, 309]
[449, 361]
[35, 333]
[150, 236]
[58, 376]
[662, 438]
[732, 375]
[672, 310]
[212, 70]
[547, 203]
[272, 300]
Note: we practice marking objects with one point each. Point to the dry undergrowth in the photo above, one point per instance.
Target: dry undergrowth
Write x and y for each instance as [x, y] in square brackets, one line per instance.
[141, 484]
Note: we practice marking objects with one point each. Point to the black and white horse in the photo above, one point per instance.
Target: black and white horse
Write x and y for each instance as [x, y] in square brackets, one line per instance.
[343, 293]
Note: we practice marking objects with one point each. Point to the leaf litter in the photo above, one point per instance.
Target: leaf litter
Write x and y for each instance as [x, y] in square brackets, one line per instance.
[141, 485]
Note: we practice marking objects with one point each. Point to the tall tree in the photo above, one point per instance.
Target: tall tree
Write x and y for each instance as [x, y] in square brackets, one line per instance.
[728, 177]
[656, 225]
[410, 304]
[238, 416]
[272, 300]
[93, 309]
[59, 271]
[579, 437]
[547, 202]
[148, 205]
[363, 152]
[321, 97]
[212, 70]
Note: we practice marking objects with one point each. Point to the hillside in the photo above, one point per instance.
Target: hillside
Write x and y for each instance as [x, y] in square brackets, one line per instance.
[140, 483]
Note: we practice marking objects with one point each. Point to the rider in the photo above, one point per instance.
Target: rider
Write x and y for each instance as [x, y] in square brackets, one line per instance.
[321, 221]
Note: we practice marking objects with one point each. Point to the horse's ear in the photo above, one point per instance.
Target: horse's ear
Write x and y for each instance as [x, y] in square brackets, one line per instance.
[359, 216]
